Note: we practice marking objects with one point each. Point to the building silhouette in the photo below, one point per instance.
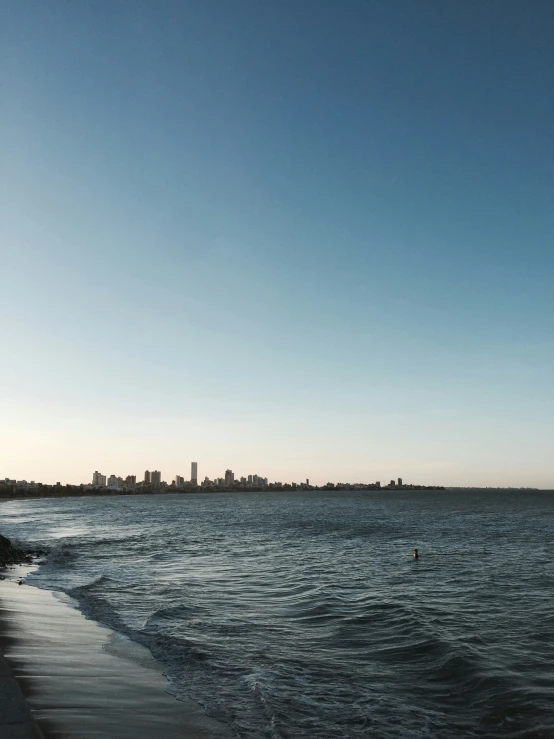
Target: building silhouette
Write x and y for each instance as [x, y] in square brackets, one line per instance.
[99, 479]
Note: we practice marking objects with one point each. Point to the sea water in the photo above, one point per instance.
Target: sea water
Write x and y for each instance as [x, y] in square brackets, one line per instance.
[291, 615]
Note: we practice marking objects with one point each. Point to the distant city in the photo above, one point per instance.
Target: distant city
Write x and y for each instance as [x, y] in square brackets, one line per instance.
[152, 480]
[152, 483]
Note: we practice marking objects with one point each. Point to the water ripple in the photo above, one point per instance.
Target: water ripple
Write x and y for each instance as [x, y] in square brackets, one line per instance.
[293, 616]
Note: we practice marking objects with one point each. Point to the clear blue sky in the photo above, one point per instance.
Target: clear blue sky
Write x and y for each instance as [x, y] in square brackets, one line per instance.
[300, 238]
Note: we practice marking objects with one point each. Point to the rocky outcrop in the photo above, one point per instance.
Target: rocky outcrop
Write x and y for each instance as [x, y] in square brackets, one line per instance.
[10, 555]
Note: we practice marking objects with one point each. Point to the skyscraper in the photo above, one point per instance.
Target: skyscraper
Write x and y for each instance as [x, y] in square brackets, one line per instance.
[156, 477]
[99, 479]
[399, 482]
[229, 477]
[194, 473]
[147, 478]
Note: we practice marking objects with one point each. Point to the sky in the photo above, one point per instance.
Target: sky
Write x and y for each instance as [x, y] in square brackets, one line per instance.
[302, 239]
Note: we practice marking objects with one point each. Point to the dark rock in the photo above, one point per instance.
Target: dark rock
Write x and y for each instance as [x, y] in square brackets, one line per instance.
[10, 555]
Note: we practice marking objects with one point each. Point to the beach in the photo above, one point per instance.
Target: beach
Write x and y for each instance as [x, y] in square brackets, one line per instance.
[66, 677]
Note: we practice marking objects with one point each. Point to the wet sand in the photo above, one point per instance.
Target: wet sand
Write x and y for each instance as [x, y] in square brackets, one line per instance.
[82, 680]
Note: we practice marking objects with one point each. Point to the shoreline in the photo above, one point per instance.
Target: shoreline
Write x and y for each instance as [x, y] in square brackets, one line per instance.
[63, 676]
[16, 718]
[75, 493]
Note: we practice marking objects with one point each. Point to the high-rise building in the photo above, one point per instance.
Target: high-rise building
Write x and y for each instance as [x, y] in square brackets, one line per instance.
[392, 484]
[194, 473]
[156, 477]
[307, 481]
[229, 477]
[399, 482]
[147, 478]
[131, 480]
[250, 479]
[179, 481]
[98, 479]
[112, 481]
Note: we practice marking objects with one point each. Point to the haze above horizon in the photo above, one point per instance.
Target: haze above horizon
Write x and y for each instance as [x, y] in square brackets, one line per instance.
[313, 239]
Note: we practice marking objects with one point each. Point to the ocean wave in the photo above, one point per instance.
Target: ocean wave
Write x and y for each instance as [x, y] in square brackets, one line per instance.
[284, 624]
[61, 554]
[96, 583]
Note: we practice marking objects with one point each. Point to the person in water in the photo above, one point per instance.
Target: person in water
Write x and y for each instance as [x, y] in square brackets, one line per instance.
[416, 554]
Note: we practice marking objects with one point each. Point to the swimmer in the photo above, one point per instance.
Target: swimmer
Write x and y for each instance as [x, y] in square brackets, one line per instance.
[416, 554]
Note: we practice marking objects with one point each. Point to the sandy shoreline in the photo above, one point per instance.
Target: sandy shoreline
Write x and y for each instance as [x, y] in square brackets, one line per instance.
[16, 719]
[82, 680]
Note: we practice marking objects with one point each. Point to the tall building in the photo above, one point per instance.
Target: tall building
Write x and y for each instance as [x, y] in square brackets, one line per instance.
[400, 482]
[179, 481]
[112, 481]
[98, 479]
[392, 483]
[147, 478]
[194, 473]
[250, 479]
[229, 477]
[131, 480]
[156, 477]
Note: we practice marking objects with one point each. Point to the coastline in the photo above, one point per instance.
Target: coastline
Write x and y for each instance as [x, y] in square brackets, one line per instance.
[63, 676]
[9, 497]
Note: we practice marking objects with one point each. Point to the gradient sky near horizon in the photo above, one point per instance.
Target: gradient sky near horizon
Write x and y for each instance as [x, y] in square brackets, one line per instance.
[303, 238]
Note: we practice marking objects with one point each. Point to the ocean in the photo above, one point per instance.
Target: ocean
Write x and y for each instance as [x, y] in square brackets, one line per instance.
[305, 615]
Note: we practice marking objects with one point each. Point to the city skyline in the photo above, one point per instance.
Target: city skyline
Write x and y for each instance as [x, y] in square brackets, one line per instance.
[253, 483]
[333, 258]
[154, 479]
